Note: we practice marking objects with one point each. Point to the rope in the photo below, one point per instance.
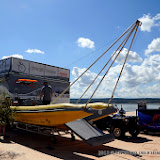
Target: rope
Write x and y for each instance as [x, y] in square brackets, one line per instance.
[137, 25]
[93, 63]
[104, 67]
[128, 36]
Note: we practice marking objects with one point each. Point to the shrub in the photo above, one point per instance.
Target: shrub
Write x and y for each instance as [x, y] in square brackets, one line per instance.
[6, 114]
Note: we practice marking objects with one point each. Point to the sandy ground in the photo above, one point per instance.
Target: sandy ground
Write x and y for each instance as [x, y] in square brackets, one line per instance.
[22, 145]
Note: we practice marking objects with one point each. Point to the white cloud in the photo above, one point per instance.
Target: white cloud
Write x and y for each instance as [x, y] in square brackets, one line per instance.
[147, 72]
[133, 56]
[85, 43]
[34, 51]
[86, 79]
[148, 22]
[157, 17]
[14, 55]
[82, 84]
[103, 91]
[137, 81]
[153, 46]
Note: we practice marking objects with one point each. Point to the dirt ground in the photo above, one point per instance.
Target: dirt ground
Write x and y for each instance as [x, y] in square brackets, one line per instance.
[22, 145]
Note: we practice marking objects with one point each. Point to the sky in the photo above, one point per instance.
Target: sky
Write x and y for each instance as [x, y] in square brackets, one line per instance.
[72, 34]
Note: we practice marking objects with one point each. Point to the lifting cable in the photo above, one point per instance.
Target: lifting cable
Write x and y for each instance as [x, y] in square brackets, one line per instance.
[138, 23]
[133, 25]
[126, 38]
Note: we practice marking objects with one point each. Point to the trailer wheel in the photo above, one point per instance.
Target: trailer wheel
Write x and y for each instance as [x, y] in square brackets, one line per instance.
[117, 131]
[72, 136]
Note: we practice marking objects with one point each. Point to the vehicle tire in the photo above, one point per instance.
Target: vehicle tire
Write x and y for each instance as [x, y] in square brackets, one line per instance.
[134, 132]
[117, 131]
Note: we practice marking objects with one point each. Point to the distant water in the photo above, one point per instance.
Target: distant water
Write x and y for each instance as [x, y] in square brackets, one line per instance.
[132, 107]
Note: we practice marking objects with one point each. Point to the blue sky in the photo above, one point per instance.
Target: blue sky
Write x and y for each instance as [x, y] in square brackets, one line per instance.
[60, 32]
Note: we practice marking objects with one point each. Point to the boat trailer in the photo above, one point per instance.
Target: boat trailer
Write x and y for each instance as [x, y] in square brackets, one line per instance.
[44, 130]
[81, 128]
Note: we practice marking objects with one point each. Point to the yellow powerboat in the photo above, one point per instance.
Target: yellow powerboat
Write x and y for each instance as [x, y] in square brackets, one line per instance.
[54, 115]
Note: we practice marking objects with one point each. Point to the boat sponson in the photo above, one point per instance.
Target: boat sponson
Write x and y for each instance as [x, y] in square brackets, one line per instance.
[97, 105]
[50, 106]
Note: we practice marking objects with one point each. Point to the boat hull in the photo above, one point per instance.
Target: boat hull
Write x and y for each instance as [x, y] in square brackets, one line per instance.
[50, 118]
[49, 115]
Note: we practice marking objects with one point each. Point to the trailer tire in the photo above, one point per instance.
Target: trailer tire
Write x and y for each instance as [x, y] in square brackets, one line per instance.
[72, 137]
[117, 131]
[53, 140]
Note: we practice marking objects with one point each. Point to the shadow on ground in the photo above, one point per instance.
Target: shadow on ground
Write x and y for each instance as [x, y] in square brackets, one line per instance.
[135, 139]
[64, 148]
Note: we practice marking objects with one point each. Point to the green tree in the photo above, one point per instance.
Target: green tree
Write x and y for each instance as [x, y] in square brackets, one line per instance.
[6, 114]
